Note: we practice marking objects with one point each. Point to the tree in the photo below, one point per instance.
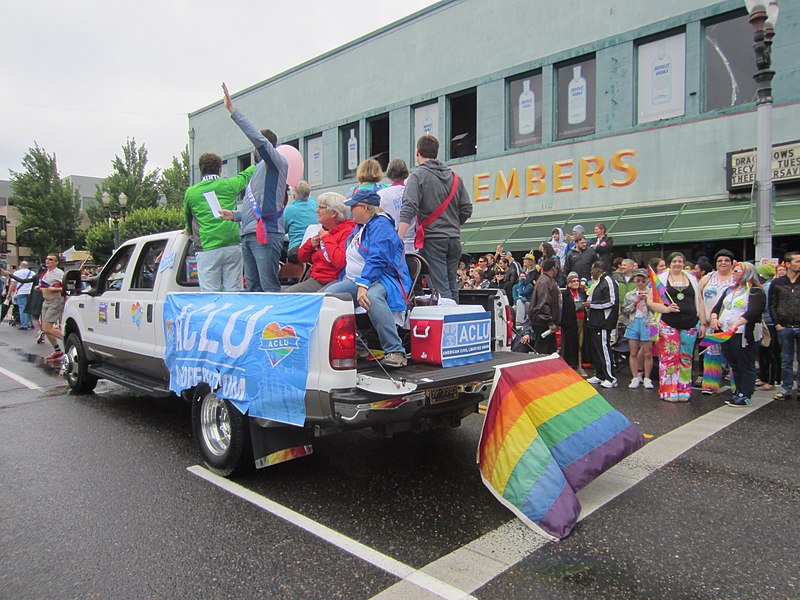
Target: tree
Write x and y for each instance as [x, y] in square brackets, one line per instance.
[100, 238]
[131, 177]
[49, 207]
[174, 180]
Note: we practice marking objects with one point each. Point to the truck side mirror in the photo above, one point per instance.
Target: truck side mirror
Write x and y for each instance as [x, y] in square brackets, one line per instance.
[71, 283]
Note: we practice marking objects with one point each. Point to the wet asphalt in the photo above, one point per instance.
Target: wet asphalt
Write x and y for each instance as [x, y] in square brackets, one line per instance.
[96, 502]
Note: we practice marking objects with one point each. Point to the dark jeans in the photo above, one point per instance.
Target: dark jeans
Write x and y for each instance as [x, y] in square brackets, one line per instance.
[442, 257]
[789, 338]
[769, 359]
[743, 363]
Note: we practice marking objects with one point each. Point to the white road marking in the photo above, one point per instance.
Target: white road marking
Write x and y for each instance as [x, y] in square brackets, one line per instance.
[27, 383]
[476, 564]
[405, 572]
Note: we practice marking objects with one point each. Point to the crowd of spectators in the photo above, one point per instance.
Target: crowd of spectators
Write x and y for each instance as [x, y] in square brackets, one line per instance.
[609, 308]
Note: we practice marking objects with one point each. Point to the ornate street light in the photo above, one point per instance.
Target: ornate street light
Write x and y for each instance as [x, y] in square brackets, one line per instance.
[763, 17]
[115, 213]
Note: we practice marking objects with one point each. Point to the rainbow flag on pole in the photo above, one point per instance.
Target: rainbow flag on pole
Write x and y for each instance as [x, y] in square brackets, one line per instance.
[660, 294]
[718, 337]
[547, 434]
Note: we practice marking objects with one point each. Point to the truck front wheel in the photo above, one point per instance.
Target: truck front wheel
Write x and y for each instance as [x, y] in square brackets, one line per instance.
[222, 434]
[76, 367]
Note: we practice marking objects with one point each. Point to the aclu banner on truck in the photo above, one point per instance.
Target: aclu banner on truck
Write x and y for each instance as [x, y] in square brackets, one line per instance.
[251, 348]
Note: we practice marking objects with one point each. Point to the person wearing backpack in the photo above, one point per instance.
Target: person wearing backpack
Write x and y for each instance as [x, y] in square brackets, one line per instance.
[437, 201]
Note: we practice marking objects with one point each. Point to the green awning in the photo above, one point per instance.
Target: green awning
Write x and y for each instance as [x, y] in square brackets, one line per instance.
[666, 224]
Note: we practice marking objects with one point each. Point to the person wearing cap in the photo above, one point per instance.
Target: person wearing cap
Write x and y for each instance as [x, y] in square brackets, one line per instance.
[641, 330]
[769, 355]
[576, 230]
[711, 288]
[375, 273]
[572, 318]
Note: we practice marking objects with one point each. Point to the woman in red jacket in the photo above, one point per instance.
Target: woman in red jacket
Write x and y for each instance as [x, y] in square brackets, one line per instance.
[325, 250]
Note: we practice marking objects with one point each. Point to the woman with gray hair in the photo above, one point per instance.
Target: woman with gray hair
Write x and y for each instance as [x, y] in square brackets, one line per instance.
[325, 250]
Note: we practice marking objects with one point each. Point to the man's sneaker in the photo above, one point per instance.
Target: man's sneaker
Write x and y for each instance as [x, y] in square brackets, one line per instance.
[55, 355]
[609, 384]
[648, 383]
[739, 400]
[634, 383]
[363, 353]
[782, 395]
[593, 380]
[40, 337]
[394, 360]
[582, 372]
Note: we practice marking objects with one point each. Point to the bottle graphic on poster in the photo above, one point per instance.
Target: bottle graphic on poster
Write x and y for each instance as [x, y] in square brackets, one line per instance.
[662, 76]
[427, 124]
[527, 109]
[352, 151]
[317, 162]
[576, 102]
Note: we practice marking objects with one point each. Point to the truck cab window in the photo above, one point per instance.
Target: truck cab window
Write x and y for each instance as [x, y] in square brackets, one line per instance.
[114, 273]
[187, 272]
[144, 277]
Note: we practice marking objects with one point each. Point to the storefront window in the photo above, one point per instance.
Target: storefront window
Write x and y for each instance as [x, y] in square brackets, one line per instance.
[314, 160]
[463, 124]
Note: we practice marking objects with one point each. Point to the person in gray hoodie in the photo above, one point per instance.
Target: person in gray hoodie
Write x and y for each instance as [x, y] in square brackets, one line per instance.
[437, 201]
[260, 219]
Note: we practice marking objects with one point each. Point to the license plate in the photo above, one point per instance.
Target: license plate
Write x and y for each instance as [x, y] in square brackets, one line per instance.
[444, 394]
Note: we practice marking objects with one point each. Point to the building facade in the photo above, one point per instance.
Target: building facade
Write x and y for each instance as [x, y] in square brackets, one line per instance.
[640, 115]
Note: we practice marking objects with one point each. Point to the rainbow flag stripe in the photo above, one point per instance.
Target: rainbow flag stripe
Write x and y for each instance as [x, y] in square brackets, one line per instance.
[718, 337]
[547, 434]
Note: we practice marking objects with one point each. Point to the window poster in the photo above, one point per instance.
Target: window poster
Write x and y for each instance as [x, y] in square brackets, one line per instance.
[314, 160]
[576, 99]
[426, 120]
[525, 110]
[662, 81]
[348, 136]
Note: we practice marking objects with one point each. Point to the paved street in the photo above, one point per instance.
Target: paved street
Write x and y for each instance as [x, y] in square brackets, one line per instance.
[101, 496]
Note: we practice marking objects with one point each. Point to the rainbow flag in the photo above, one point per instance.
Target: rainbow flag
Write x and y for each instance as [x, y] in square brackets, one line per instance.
[547, 434]
[717, 337]
[660, 294]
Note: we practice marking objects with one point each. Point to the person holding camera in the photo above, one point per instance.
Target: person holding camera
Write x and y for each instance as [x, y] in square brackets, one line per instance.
[641, 331]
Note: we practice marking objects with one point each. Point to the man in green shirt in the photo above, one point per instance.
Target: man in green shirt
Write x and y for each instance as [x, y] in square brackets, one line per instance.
[216, 241]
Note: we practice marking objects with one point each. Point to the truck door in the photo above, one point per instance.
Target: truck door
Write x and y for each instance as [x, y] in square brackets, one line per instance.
[104, 324]
[139, 317]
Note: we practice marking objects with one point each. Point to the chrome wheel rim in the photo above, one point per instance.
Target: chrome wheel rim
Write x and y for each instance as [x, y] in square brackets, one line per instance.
[70, 364]
[215, 424]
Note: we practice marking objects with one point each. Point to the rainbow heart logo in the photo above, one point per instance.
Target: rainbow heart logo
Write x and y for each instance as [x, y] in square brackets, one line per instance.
[278, 342]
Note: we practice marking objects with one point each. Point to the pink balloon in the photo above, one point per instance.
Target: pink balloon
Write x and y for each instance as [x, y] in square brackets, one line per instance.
[296, 164]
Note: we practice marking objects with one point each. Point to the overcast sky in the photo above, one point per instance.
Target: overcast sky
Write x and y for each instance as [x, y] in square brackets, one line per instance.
[81, 77]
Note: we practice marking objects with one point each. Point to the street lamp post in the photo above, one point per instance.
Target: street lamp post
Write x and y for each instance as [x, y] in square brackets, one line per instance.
[115, 213]
[763, 16]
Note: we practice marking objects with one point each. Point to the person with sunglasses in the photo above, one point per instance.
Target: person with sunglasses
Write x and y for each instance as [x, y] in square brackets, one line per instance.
[739, 308]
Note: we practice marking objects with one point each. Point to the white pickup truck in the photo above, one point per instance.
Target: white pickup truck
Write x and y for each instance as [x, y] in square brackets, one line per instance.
[113, 329]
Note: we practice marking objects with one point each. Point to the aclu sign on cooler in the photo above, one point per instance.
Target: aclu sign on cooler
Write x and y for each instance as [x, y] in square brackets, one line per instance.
[450, 335]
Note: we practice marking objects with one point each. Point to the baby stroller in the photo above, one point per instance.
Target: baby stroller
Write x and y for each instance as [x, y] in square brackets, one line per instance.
[620, 348]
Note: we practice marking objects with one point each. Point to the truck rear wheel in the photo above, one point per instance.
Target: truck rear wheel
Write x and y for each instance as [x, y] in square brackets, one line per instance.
[222, 434]
[76, 367]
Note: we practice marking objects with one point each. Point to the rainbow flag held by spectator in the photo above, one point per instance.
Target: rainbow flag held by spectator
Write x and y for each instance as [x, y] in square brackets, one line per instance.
[717, 337]
[660, 294]
[547, 434]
